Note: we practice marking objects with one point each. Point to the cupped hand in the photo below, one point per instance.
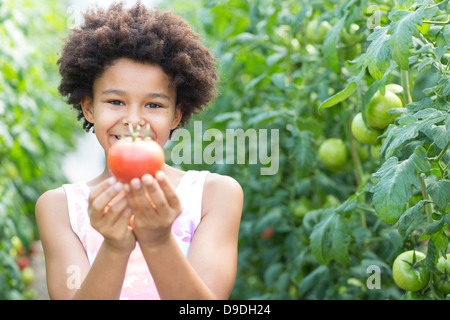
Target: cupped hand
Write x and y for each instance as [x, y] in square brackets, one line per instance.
[110, 215]
[155, 206]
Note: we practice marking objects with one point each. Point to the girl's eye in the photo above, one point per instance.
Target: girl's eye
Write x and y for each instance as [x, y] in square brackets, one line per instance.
[153, 105]
[115, 102]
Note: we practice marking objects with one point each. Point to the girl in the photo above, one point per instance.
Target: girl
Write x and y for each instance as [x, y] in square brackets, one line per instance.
[172, 236]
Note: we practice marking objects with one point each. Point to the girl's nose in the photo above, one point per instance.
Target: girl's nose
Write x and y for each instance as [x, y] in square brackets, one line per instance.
[134, 118]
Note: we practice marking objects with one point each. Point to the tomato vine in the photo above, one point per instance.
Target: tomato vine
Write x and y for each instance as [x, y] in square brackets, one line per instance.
[329, 226]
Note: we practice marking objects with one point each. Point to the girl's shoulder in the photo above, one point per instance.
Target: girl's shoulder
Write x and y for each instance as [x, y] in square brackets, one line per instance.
[218, 182]
[222, 191]
[51, 206]
[52, 198]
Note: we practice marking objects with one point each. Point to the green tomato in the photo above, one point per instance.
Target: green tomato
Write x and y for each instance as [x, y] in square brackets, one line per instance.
[316, 33]
[410, 274]
[27, 275]
[17, 243]
[377, 116]
[349, 52]
[443, 281]
[362, 132]
[352, 35]
[333, 153]
[394, 88]
[300, 208]
[375, 151]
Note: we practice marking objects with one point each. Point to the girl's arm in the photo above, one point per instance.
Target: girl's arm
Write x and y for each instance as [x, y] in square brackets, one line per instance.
[65, 259]
[69, 275]
[210, 270]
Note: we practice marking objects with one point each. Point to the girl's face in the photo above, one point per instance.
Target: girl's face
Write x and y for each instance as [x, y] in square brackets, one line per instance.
[130, 92]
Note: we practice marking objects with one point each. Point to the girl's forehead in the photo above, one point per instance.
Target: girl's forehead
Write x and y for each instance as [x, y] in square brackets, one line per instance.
[125, 74]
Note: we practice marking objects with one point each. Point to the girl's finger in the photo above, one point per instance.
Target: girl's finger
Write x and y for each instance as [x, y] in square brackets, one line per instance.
[97, 204]
[116, 207]
[169, 191]
[155, 192]
[131, 200]
[142, 199]
[102, 186]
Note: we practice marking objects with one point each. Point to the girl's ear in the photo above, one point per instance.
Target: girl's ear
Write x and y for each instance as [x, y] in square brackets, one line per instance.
[87, 107]
[177, 116]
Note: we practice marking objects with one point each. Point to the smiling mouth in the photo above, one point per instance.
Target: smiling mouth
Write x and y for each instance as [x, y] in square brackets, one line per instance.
[117, 138]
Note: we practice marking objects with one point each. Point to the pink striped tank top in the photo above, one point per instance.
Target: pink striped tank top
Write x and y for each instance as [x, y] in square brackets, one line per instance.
[138, 283]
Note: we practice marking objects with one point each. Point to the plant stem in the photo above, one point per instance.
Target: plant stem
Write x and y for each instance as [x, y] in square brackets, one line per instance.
[427, 206]
[443, 23]
[356, 162]
[405, 84]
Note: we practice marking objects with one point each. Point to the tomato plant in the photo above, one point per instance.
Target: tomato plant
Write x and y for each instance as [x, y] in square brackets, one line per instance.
[409, 271]
[36, 130]
[332, 225]
[134, 157]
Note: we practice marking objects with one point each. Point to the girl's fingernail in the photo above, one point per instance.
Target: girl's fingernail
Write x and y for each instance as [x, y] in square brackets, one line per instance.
[147, 179]
[126, 187]
[160, 176]
[111, 181]
[136, 184]
[118, 186]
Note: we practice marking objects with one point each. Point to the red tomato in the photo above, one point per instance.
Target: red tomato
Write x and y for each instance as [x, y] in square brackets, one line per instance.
[268, 232]
[128, 159]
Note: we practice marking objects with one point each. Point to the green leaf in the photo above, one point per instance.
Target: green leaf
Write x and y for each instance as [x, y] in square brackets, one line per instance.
[402, 31]
[379, 53]
[394, 184]
[397, 136]
[436, 246]
[340, 96]
[330, 52]
[345, 93]
[254, 82]
[330, 238]
[272, 273]
[409, 128]
[439, 191]
[410, 218]
[304, 157]
[279, 80]
[435, 227]
[438, 134]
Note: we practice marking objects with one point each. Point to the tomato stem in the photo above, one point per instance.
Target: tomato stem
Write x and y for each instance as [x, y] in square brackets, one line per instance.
[132, 133]
[135, 133]
[146, 135]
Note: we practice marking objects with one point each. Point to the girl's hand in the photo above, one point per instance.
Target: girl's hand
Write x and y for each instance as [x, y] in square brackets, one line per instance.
[110, 215]
[155, 206]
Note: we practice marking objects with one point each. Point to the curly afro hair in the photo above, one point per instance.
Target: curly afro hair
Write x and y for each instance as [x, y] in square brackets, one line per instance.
[143, 35]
